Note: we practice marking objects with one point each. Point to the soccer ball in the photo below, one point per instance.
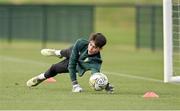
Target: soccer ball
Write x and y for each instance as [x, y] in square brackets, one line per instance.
[98, 81]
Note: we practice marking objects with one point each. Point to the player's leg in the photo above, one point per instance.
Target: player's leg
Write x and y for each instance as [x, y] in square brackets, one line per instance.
[61, 67]
[58, 53]
[66, 52]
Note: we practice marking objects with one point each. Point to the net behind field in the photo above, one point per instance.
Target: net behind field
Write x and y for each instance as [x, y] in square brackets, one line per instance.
[176, 36]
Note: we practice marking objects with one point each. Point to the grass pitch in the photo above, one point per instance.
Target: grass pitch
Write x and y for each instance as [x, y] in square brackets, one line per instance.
[131, 72]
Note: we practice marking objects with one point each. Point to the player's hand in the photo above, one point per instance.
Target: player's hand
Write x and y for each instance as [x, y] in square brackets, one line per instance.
[77, 88]
[109, 88]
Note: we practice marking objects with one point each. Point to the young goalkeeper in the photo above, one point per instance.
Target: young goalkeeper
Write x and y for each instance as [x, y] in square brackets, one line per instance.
[84, 55]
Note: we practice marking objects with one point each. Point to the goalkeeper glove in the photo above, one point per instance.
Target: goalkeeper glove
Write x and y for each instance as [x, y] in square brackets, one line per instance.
[109, 88]
[77, 88]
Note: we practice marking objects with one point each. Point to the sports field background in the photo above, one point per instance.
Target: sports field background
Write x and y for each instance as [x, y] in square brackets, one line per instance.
[132, 72]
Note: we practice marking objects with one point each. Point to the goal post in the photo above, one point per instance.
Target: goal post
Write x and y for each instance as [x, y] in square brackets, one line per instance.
[171, 28]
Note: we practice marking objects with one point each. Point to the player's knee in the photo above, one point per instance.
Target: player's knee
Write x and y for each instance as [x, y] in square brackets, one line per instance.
[53, 68]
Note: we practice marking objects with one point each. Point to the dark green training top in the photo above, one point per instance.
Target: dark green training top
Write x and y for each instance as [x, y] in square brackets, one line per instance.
[81, 62]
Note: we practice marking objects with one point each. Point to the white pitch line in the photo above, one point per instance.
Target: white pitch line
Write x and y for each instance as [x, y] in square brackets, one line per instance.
[25, 61]
[13, 59]
[133, 77]
[139, 77]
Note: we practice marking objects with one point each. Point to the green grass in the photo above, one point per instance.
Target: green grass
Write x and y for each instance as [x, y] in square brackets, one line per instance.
[126, 66]
[132, 72]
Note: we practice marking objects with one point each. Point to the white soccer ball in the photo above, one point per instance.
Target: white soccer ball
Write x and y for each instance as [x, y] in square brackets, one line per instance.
[98, 81]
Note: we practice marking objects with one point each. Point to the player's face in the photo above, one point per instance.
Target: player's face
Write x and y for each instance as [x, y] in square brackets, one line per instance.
[92, 48]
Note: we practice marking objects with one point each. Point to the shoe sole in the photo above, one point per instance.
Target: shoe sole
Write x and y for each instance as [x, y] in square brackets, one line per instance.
[30, 82]
[46, 52]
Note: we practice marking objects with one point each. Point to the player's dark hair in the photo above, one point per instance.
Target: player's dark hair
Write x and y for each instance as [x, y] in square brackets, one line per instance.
[98, 38]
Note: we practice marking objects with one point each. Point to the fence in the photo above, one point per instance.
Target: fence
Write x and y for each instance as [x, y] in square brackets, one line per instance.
[52, 23]
[69, 22]
[149, 27]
